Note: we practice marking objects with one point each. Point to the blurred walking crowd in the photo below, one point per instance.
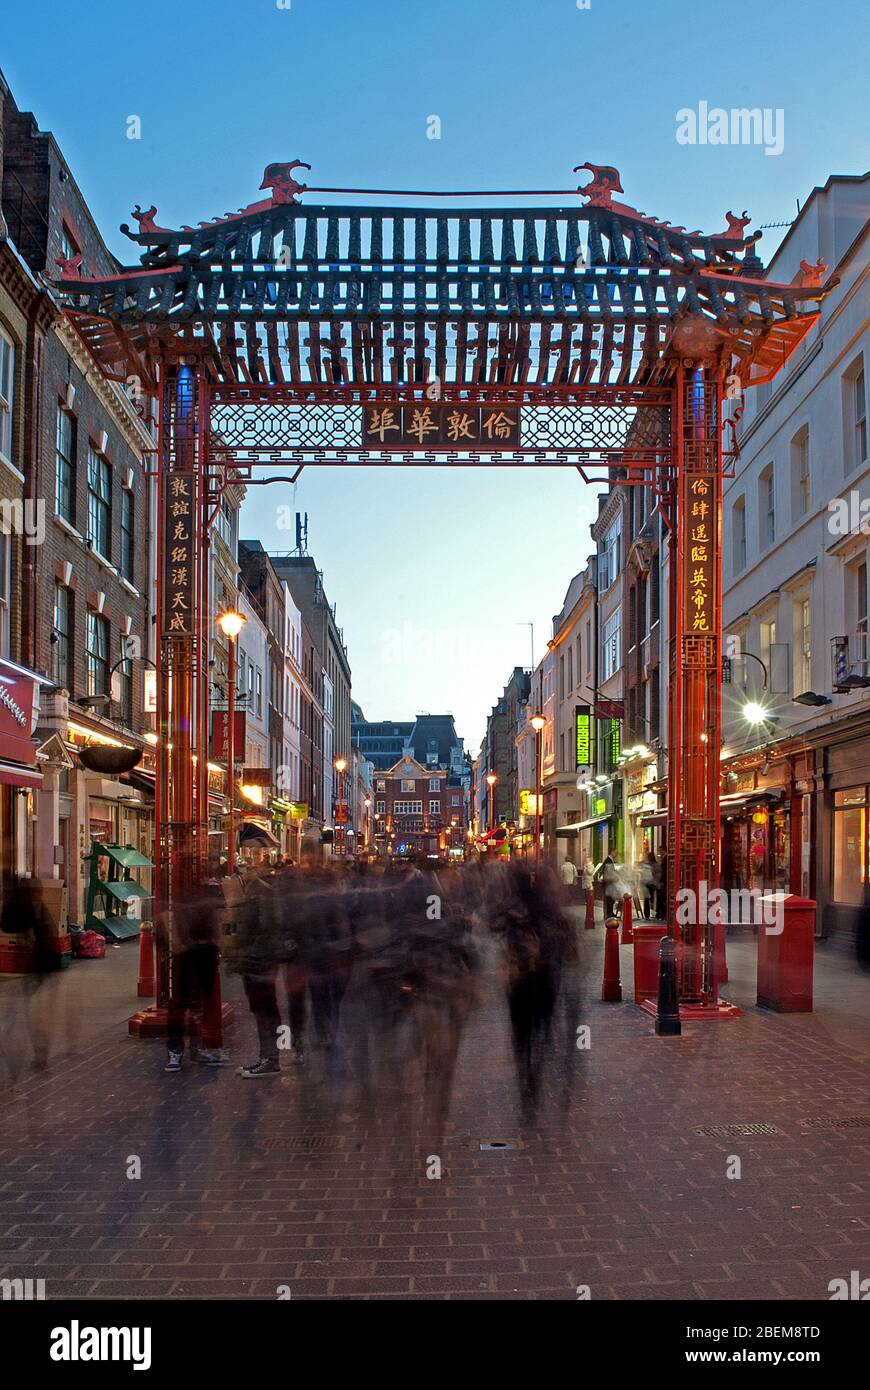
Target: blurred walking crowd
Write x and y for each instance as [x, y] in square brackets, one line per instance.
[378, 967]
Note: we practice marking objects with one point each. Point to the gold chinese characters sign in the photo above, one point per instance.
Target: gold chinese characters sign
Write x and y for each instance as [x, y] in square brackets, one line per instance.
[179, 512]
[699, 565]
[445, 425]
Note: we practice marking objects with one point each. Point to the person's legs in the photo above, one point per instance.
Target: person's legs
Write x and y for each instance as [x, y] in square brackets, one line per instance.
[263, 1001]
[294, 984]
[180, 992]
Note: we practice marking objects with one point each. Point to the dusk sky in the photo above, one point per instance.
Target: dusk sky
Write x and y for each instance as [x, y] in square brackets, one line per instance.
[436, 573]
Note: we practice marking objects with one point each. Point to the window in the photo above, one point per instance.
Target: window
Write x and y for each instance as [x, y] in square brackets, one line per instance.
[65, 458]
[5, 587]
[7, 380]
[380, 808]
[766, 508]
[767, 630]
[434, 784]
[60, 663]
[570, 671]
[259, 693]
[434, 808]
[850, 845]
[855, 415]
[802, 646]
[408, 784]
[68, 247]
[127, 534]
[407, 808]
[381, 785]
[738, 536]
[611, 646]
[800, 474]
[97, 651]
[610, 557]
[125, 683]
[561, 677]
[456, 800]
[861, 646]
[99, 503]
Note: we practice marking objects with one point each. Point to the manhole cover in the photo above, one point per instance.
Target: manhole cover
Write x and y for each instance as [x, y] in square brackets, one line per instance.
[498, 1144]
[839, 1122]
[736, 1131]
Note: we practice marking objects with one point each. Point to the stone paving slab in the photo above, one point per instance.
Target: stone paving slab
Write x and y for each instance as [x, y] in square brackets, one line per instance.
[250, 1185]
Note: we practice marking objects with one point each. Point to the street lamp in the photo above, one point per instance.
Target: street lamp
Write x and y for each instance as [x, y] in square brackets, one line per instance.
[340, 765]
[537, 722]
[368, 806]
[231, 623]
[491, 780]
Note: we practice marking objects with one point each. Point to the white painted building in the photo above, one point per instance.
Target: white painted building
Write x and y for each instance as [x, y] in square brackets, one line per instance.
[797, 791]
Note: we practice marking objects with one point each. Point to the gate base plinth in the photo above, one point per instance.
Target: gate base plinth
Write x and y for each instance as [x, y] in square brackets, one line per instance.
[153, 1022]
[697, 1013]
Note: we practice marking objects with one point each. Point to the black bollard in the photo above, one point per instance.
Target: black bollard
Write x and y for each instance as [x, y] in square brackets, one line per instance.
[667, 1011]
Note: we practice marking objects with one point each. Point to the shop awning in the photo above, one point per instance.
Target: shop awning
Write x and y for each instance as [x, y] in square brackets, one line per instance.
[653, 818]
[735, 801]
[14, 775]
[576, 826]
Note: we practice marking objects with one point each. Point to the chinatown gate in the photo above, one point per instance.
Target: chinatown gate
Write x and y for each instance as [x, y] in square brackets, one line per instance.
[589, 336]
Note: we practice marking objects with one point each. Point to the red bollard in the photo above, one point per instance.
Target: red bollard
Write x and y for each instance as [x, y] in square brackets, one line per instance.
[627, 921]
[611, 988]
[590, 910]
[145, 985]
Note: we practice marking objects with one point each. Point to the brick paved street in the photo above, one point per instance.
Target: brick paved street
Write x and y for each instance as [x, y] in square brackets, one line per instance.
[249, 1186]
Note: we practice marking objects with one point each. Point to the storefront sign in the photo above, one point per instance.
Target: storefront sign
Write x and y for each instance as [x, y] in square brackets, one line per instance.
[298, 810]
[219, 730]
[256, 776]
[614, 740]
[179, 494]
[447, 425]
[150, 692]
[582, 736]
[16, 716]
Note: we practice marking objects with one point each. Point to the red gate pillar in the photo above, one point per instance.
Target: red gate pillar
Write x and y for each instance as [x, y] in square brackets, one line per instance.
[695, 607]
[177, 578]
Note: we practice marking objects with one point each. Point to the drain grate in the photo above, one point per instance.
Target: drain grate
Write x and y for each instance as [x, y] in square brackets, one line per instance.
[497, 1144]
[310, 1143]
[736, 1131]
[838, 1122]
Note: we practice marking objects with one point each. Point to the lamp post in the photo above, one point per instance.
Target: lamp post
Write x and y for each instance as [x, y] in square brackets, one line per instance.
[340, 765]
[538, 726]
[368, 806]
[231, 624]
[491, 780]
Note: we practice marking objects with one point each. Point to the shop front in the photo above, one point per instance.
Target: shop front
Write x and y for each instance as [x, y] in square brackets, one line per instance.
[20, 775]
[767, 815]
[843, 887]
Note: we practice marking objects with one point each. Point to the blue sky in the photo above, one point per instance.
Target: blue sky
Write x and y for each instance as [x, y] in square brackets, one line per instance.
[433, 572]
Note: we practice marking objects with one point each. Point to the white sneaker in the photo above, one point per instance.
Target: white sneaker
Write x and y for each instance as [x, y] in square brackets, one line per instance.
[173, 1061]
[214, 1057]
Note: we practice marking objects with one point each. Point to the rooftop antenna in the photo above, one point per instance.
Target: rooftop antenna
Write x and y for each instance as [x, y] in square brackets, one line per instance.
[302, 533]
[531, 627]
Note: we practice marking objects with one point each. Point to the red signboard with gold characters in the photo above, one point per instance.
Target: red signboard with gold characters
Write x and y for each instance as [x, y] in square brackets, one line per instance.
[699, 566]
[442, 425]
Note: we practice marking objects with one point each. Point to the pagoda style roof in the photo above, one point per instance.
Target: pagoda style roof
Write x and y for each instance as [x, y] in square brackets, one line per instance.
[366, 296]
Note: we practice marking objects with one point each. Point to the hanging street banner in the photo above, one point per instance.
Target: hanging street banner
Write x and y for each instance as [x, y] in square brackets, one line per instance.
[179, 551]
